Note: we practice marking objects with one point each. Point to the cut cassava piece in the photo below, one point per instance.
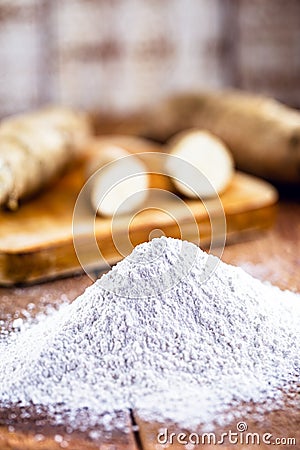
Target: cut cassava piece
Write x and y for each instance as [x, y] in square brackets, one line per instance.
[262, 134]
[118, 180]
[150, 152]
[35, 148]
[200, 164]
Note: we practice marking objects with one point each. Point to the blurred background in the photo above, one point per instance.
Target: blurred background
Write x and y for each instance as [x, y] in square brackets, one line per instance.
[117, 56]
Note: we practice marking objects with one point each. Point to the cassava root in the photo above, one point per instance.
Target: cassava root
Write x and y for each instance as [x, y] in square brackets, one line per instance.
[35, 148]
[262, 134]
[119, 180]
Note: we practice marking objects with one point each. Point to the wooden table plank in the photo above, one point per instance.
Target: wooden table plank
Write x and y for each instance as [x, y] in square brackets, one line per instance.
[18, 301]
[27, 429]
[273, 255]
[283, 424]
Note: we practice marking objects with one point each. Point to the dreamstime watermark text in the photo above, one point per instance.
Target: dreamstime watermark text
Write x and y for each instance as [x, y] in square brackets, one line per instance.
[239, 436]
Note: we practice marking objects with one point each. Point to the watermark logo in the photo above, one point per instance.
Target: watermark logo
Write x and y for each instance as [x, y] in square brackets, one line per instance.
[240, 436]
[174, 210]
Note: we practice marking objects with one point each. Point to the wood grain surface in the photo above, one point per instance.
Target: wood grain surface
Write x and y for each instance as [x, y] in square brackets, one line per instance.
[29, 429]
[269, 255]
[282, 425]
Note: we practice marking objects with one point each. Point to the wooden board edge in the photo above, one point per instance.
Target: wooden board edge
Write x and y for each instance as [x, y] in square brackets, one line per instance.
[59, 261]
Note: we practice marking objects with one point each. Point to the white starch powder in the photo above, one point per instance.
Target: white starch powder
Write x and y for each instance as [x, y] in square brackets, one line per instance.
[152, 336]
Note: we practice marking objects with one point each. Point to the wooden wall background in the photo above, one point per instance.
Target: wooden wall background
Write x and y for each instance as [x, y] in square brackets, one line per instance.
[120, 55]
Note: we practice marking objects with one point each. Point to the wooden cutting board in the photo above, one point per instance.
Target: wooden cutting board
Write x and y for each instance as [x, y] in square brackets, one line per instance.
[36, 241]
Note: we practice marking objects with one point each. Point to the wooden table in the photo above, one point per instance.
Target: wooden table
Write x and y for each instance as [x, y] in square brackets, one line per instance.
[272, 255]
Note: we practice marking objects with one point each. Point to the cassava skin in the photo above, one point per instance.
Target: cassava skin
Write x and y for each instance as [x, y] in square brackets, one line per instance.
[262, 134]
[35, 148]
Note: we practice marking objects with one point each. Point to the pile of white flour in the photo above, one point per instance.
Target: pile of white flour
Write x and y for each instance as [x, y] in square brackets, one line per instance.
[152, 336]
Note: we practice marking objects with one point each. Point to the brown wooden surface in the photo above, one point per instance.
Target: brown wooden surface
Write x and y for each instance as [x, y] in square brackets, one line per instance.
[269, 255]
[280, 424]
[36, 241]
[29, 430]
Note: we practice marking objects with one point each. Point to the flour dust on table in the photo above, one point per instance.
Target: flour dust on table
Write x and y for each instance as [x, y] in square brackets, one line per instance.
[152, 336]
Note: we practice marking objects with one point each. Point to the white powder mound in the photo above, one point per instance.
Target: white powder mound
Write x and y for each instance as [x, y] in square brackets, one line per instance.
[157, 335]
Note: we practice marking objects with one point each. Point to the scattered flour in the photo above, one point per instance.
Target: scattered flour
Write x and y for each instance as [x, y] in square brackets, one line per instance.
[151, 335]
